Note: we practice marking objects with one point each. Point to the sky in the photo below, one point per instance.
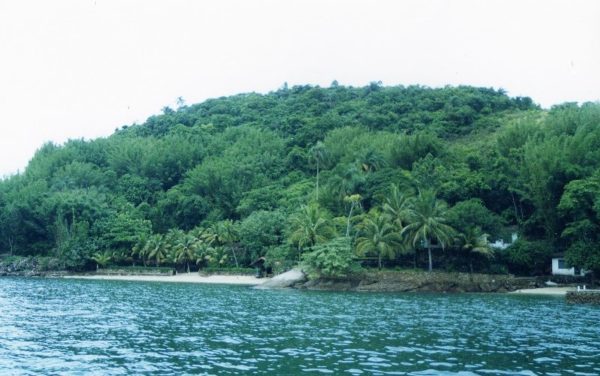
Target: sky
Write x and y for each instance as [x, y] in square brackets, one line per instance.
[82, 68]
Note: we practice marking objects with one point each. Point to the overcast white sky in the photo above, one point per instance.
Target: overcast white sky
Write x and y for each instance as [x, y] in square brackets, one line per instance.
[81, 68]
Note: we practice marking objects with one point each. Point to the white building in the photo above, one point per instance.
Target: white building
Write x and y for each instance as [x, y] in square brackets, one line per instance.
[502, 245]
[560, 267]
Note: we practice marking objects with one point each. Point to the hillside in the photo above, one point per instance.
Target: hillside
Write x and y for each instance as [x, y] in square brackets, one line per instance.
[292, 172]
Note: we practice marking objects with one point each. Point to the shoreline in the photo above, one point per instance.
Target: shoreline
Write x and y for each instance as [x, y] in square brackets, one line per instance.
[373, 282]
[555, 291]
[179, 278]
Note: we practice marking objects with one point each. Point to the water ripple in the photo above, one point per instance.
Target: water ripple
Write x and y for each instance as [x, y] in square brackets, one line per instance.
[119, 328]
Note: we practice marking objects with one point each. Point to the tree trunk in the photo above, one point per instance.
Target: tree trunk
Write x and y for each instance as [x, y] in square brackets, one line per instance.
[235, 257]
[348, 222]
[379, 261]
[187, 264]
[429, 253]
[415, 258]
[11, 245]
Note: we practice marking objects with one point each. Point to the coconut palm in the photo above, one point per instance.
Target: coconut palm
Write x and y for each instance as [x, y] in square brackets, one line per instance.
[474, 242]
[102, 259]
[397, 207]
[204, 253]
[379, 236]
[184, 250]
[427, 222]
[225, 234]
[354, 201]
[156, 248]
[139, 249]
[371, 161]
[310, 227]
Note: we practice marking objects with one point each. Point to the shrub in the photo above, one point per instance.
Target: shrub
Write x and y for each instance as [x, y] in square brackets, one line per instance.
[333, 259]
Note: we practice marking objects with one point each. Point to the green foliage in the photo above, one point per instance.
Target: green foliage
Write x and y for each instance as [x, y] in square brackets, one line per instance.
[223, 182]
[471, 214]
[532, 256]
[260, 231]
[310, 226]
[333, 259]
[102, 259]
[281, 258]
[378, 236]
[427, 222]
[584, 255]
[411, 148]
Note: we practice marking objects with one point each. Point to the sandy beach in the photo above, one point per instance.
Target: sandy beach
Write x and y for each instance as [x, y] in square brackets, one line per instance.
[181, 278]
[560, 291]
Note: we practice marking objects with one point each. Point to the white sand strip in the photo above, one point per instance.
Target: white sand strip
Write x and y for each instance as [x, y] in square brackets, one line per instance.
[545, 291]
[182, 277]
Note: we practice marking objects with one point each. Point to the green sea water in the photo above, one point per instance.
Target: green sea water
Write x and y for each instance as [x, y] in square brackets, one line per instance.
[81, 327]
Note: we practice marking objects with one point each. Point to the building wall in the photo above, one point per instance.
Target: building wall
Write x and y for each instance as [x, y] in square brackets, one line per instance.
[562, 271]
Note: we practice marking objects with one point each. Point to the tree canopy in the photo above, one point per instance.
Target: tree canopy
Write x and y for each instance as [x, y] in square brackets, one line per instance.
[231, 179]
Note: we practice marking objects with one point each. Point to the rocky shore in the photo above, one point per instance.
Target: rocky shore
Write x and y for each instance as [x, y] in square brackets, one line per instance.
[368, 281]
[584, 297]
[30, 267]
[408, 281]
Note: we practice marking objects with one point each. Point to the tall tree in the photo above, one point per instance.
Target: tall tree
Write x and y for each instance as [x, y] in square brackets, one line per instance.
[353, 201]
[225, 234]
[157, 248]
[310, 226]
[184, 250]
[475, 242]
[427, 222]
[378, 236]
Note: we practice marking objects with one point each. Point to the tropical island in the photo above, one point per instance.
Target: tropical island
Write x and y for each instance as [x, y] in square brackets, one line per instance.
[346, 182]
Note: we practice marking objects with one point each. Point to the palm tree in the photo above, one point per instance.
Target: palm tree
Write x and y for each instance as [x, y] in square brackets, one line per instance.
[310, 227]
[379, 236]
[138, 249]
[319, 154]
[354, 201]
[475, 243]
[225, 234]
[371, 161]
[427, 222]
[102, 259]
[204, 253]
[156, 248]
[397, 207]
[184, 250]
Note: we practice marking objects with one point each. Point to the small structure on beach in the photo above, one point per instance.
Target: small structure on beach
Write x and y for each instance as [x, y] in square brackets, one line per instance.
[560, 267]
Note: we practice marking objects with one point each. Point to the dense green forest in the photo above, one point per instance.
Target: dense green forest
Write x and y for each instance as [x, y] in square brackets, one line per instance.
[331, 177]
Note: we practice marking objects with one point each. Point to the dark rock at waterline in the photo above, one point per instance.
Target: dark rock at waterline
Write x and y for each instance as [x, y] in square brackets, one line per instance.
[411, 281]
[26, 267]
[583, 297]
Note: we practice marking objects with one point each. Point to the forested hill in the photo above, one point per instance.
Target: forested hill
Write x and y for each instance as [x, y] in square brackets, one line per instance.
[311, 170]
